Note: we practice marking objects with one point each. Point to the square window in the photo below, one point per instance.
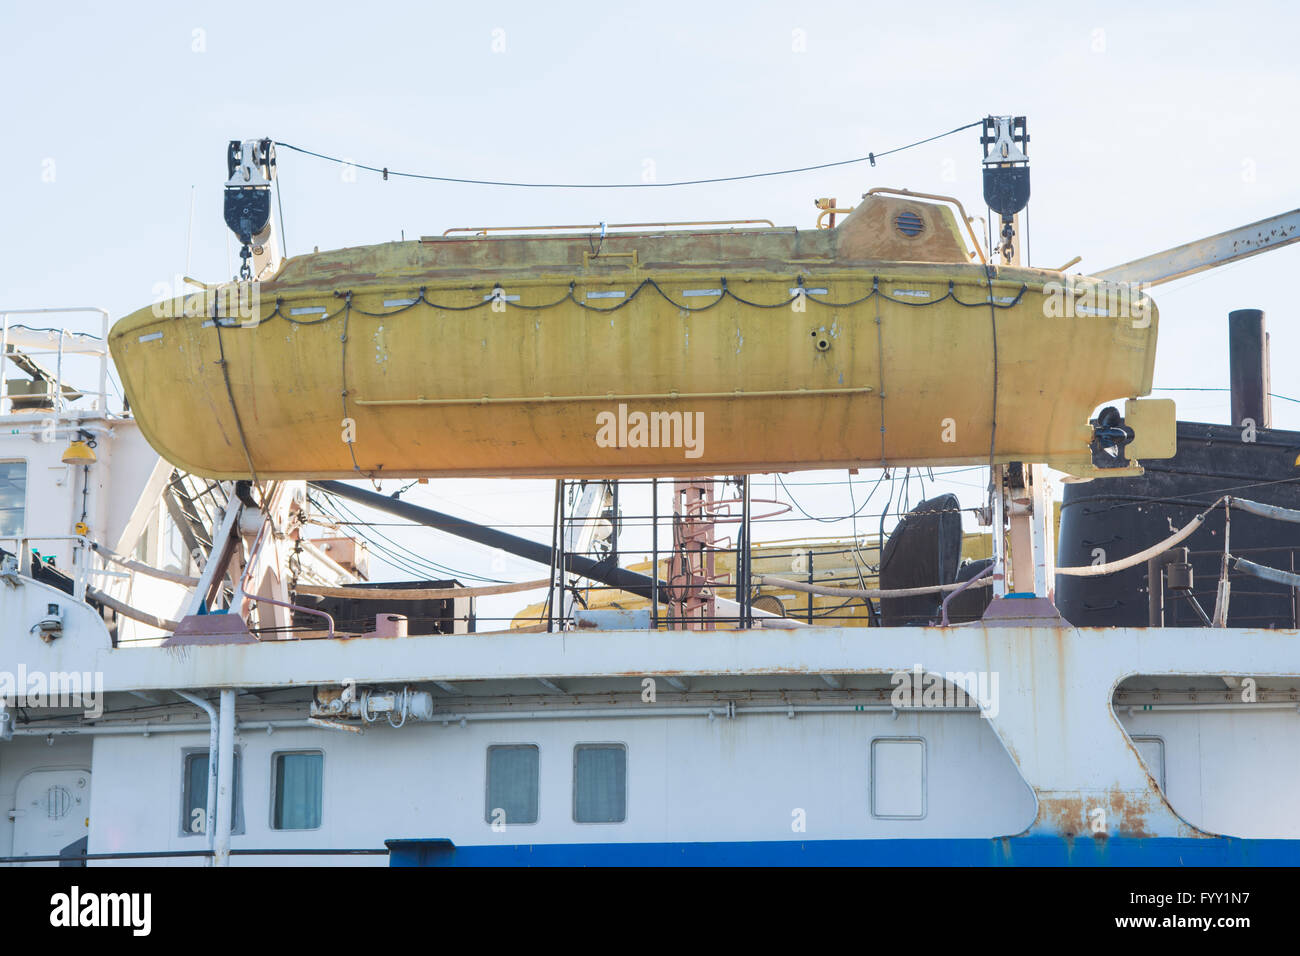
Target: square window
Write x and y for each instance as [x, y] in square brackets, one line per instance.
[599, 783]
[297, 790]
[512, 784]
[898, 778]
[194, 798]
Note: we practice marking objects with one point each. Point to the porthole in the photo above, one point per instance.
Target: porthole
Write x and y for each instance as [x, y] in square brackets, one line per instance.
[909, 224]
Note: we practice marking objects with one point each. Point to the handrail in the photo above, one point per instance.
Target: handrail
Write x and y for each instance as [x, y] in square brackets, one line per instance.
[956, 202]
[101, 397]
[363, 594]
[827, 591]
[145, 569]
[831, 212]
[483, 230]
[253, 554]
[81, 590]
[134, 613]
[23, 553]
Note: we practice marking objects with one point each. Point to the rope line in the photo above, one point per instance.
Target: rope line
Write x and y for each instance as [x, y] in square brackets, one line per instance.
[1285, 398]
[499, 303]
[389, 173]
[343, 394]
[230, 393]
[724, 293]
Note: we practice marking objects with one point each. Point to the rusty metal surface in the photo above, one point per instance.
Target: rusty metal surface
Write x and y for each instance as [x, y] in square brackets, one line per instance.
[1211, 252]
[1033, 611]
[210, 629]
[1053, 710]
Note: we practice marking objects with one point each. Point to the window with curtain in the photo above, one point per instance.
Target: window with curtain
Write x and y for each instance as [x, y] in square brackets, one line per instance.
[194, 798]
[599, 783]
[299, 790]
[512, 784]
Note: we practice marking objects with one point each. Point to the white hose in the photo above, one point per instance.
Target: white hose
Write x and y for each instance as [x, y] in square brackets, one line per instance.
[1265, 511]
[828, 591]
[1096, 570]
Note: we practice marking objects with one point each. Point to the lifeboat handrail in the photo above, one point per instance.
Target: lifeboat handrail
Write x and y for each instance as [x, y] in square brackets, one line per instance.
[830, 211]
[879, 190]
[484, 230]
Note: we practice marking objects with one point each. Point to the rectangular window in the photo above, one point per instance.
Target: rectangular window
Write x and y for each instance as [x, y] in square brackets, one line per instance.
[144, 545]
[298, 782]
[194, 799]
[13, 497]
[1152, 752]
[898, 778]
[512, 784]
[175, 556]
[599, 783]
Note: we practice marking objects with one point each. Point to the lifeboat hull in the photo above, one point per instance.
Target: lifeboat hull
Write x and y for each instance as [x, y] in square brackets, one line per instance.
[450, 358]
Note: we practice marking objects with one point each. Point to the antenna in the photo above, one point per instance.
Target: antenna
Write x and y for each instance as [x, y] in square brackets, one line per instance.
[189, 232]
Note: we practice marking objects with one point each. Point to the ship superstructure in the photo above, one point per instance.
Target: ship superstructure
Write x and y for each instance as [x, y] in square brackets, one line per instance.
[691, 690]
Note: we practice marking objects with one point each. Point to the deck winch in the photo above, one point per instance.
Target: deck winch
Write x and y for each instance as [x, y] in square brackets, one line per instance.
[333, 705]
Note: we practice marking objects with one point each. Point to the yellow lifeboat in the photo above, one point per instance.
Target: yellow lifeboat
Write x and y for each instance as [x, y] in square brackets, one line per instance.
[839, 563]
[718, 349]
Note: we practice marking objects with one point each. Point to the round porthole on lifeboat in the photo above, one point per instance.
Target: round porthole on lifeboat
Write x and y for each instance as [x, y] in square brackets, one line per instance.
[909, 223]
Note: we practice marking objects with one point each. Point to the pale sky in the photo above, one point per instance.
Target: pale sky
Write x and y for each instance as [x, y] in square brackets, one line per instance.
[1150, 127]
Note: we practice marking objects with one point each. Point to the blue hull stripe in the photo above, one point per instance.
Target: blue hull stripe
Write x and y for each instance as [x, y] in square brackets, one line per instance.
[1008, 851]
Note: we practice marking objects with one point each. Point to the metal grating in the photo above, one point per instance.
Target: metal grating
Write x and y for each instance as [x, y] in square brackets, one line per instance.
[909, 224]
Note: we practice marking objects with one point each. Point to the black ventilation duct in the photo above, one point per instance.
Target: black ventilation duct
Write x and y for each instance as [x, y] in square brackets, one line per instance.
[923, 550]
